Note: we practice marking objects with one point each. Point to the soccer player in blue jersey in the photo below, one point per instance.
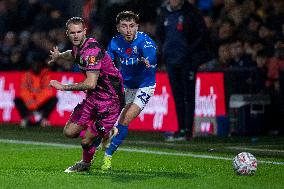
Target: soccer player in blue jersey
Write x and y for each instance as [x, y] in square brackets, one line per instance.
[135, 55]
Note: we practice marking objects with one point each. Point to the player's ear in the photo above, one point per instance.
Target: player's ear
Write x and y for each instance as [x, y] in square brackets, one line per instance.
[117, 27]
[85, 31]
[66, 33]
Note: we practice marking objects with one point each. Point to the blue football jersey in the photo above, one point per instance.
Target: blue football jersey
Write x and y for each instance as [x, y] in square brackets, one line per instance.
[127, 56]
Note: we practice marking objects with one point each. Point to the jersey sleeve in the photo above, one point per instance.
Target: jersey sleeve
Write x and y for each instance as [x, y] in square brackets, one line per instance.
[150, 51]
[93, 57]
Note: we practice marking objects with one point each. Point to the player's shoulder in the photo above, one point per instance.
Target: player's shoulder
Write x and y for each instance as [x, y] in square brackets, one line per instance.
[90, 43]
[89, 40]
[116, 38]
[115, 42]
[142, 35]
[145, 40]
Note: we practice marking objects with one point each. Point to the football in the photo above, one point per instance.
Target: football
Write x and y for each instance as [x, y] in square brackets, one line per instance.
[245, 164]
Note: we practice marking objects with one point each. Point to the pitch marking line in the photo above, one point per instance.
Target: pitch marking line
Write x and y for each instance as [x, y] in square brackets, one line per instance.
[253, 149]
[133, 150]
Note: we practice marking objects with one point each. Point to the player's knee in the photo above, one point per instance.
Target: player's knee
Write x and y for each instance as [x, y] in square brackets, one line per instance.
[127, 118]
[69, 133]
[86, 142]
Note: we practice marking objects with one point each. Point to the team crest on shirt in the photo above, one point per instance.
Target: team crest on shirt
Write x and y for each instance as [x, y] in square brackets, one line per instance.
[91, 60]
[135, 49]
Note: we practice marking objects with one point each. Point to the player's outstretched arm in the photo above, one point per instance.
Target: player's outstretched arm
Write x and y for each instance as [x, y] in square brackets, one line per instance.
[90, 82]
[56, 55]
[149, 57]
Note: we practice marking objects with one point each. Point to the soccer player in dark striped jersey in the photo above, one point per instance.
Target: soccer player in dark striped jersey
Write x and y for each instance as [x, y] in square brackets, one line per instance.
[96, 115]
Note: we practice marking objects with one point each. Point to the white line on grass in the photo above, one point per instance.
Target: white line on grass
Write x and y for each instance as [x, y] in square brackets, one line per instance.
[253, 149]
[133, 150]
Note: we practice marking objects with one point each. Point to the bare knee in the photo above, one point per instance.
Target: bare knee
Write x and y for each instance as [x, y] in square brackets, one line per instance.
[125, 121]
[69, 133]
[71, 130]
[129, 114]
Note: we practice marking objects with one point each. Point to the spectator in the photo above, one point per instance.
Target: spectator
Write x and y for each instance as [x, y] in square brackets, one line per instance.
[35, 95]
[239, 58]
[275, 67]
[267, 34]
[223, 33]
[276, 64]
[260, 76]
[276, 17]
[250, 27]
[16, 60]
[241, 66]
[6, 48]
[182, 31]
[224, 56]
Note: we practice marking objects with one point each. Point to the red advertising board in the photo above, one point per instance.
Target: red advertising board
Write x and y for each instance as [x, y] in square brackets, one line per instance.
[158, 115]
[209, 102]
[209, 95]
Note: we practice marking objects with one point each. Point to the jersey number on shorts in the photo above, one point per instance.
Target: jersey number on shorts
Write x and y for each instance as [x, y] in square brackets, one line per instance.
[144, 97]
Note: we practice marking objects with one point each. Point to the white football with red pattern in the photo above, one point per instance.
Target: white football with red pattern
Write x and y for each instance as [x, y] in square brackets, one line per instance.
[245, 164]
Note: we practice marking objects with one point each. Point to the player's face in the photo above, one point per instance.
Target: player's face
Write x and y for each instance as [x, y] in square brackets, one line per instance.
[76, 33]
[128, 29]
[176, 4]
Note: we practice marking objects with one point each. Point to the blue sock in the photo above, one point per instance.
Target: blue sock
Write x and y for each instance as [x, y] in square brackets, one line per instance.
[117, 140]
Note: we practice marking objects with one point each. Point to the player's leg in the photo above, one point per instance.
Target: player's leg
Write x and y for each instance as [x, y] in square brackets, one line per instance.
[128, 114]
[72, 130]
[105, 141]
[77, 126]
[77, 122]
[136, 100]
[88, 152]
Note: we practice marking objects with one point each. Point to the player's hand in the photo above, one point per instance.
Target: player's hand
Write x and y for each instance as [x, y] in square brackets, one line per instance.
[146, 62]
[57, 85]
[54, 54]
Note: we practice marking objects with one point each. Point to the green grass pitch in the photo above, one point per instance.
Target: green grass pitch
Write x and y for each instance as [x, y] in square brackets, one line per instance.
[144, 161]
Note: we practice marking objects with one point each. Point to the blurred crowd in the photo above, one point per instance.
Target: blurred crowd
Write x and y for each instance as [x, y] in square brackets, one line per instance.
[243, 34]
[238, 29]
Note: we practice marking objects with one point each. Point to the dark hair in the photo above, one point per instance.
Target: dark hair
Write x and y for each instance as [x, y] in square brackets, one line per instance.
[75, 20]
[127, 15]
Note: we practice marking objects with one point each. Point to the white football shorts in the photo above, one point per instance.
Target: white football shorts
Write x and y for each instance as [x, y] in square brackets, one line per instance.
[139, 96]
